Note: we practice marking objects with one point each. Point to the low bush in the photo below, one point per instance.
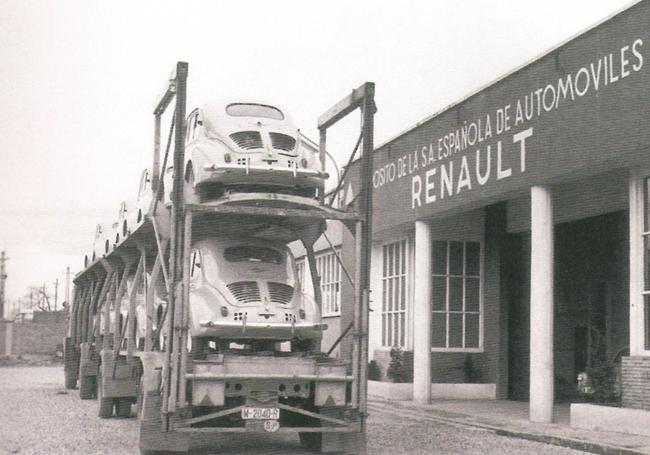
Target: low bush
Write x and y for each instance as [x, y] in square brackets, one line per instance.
[374, 371]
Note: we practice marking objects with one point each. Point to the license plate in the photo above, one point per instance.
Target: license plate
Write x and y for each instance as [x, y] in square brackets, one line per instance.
[255, 413]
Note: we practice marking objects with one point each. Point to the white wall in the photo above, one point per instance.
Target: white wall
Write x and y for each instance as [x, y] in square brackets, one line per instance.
[374, 322]
[334, 235]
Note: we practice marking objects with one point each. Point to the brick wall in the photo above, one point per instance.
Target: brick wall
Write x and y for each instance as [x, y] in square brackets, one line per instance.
[49, 317]
[33, 338]
[636, 382]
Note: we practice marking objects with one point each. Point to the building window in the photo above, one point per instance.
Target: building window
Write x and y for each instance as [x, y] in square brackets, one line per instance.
[329, 271]
[456, 295]
[394, 292]
[646, 264]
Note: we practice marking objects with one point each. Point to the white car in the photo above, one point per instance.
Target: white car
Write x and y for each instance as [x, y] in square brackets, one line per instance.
[248, 289]
[247, 147]
[103, 242]
[143, 201]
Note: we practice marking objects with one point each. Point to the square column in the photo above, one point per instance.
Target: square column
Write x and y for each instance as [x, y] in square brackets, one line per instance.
[422, 314]
[637, 284]
[541, 306]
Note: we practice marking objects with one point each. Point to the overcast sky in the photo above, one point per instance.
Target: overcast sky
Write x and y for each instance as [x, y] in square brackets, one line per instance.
[79, 79]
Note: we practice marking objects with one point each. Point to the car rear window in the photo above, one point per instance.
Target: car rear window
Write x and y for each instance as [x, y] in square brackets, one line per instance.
[245, 253]
[254, 110]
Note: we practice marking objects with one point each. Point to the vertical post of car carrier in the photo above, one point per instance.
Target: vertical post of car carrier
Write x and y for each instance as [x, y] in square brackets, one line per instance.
[172, 352]
[160, 108]
[155, 169]
[363, 98]
[185, 305]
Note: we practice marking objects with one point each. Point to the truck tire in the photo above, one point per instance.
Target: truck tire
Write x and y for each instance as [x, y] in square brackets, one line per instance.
[105, 404]
[70, 364]
[140, 400]
[87, 387]
[123, 407]
[70, 378]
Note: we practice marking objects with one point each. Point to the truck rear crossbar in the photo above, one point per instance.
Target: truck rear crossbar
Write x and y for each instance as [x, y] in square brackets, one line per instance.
[348, 429]
[344, 425]
[288, 377]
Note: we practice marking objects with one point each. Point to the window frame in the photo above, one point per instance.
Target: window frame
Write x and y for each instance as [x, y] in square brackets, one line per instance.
[388, 281]
[481, 276]
[335, 268]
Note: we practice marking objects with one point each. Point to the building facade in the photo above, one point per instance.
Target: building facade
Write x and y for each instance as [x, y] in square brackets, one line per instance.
[511, 230]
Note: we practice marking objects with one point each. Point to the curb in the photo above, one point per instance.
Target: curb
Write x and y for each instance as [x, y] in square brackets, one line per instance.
[577, 444]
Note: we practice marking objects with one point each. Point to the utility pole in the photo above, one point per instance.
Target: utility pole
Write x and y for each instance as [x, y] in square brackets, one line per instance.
[3, 278]
[45, 301]
[56, 292]
[67, 284]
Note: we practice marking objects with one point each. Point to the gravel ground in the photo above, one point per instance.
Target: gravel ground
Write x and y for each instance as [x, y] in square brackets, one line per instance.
[38, 416]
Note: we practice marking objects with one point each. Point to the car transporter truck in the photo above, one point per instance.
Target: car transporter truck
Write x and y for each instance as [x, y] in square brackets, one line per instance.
[190, 306]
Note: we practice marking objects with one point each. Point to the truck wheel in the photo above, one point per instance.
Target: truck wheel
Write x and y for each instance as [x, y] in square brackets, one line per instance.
[139, 403]
[87, 387]
[105, 404]
[123, 407]
[311, 441]
[70, 364]
[70, 378]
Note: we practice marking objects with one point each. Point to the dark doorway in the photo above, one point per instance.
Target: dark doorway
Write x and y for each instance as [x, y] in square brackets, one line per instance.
[515, 277]
[591, 299]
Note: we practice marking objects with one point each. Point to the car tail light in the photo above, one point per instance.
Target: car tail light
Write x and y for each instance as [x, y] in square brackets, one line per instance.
[301, 312]
[227, 158]
[303, 162]
[224, 311]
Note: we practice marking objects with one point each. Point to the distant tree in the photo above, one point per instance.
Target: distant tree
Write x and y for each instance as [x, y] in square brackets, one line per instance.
[39, 298]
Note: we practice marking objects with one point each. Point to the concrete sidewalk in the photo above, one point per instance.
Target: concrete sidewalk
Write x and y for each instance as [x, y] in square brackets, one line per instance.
[510, 418]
